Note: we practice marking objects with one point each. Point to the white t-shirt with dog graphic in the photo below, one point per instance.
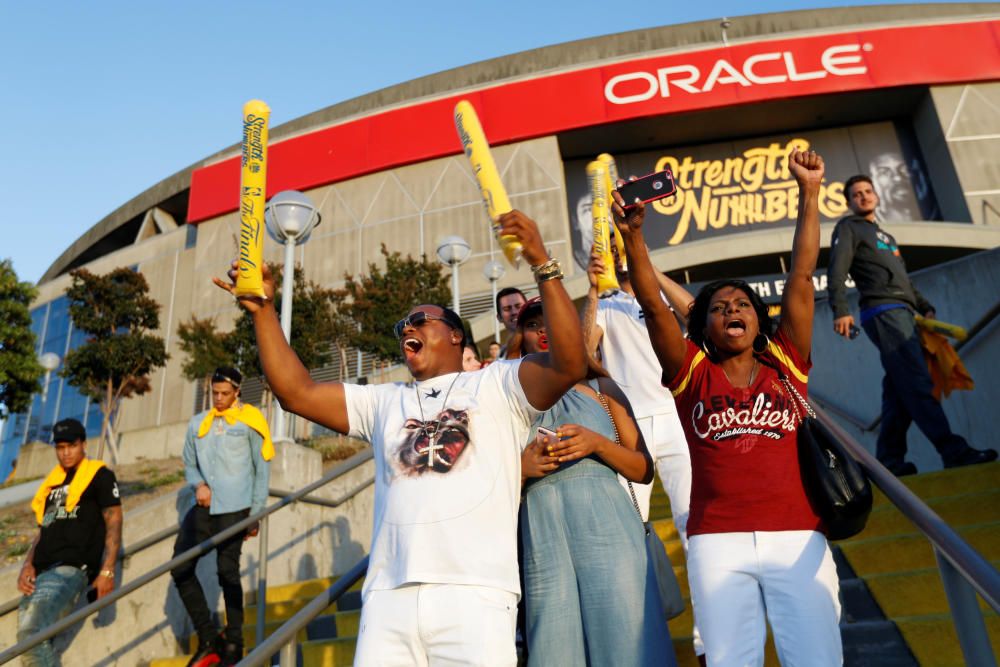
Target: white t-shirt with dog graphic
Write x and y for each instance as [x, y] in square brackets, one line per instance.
[447, 476]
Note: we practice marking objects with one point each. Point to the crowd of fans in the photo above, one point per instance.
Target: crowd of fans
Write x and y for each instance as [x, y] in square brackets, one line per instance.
[522, 480]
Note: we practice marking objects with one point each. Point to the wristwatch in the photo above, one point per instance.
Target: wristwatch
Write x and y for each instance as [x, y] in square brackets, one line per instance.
[110, 574]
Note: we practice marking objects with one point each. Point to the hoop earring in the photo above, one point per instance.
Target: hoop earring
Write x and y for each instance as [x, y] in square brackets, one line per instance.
[704, 346]
[760, 343]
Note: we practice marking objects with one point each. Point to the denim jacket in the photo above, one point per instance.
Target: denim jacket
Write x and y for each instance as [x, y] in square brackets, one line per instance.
[228, 459]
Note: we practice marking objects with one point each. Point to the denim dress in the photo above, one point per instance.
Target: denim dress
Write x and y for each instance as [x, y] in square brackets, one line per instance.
[590, 594]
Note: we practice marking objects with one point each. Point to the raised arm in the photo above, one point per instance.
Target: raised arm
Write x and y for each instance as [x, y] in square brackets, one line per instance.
[546, 377]
[320, 402]
[592, 333]
[798, 302]
[678, 297]
[661, 325]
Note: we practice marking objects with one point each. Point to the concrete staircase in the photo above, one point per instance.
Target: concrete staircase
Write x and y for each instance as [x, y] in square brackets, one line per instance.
[894, 609]
[895, 613]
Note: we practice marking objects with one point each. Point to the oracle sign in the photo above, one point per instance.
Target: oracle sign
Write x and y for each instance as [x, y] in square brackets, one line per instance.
[759, 69]
[606, 93]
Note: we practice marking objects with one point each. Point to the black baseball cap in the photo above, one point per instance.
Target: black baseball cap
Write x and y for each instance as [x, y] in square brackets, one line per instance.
[68, 430]
[529, 308]
[228, 374]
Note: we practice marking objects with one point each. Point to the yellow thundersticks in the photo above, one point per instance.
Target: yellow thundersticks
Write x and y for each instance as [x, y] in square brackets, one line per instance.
[253, 184]
[476, 148]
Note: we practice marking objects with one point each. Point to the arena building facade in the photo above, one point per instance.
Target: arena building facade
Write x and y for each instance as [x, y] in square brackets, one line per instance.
[908, 93]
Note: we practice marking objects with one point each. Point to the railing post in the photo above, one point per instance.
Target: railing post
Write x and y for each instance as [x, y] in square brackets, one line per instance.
[261, 579]
[287, 656]
[966, 615]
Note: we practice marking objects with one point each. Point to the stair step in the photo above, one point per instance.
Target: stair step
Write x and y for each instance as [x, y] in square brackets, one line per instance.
[961, 510]
[914, 593]
[903, 553]
[285, 609]
[328, 652]
[950, 482]
[934, 642]
[875, 644]
[309, 588]
[179, 661]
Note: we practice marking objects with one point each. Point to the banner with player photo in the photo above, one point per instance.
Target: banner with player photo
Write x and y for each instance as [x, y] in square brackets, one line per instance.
[741, 186]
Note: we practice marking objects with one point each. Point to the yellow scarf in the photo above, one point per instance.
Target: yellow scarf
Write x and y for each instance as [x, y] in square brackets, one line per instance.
[947, 370]
[85, 472]
[249, 415]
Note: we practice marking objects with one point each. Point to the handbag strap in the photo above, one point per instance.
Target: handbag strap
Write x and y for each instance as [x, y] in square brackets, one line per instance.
[607, 408]
[799, 403]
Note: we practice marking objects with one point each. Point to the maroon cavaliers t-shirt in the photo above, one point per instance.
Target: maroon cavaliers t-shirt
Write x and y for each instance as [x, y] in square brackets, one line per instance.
[744, 462]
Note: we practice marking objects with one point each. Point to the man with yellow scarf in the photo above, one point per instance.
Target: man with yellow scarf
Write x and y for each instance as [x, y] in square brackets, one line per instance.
[226, 451]
[79, 516]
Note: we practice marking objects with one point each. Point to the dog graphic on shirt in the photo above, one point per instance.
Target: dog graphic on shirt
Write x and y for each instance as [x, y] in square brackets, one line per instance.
[434, 445]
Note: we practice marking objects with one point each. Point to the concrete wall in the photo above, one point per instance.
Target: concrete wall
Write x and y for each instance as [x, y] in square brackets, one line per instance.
[304, 542]
[970, 120]
[848, 374]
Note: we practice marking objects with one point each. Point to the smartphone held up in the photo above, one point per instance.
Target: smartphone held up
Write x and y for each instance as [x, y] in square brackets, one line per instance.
[648, 188]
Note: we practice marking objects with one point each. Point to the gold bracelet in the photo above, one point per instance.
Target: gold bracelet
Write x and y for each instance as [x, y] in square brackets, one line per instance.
[550, 270]
[110, 574]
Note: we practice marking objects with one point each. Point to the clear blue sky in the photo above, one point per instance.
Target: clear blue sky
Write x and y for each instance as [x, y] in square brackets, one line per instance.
[101, 100]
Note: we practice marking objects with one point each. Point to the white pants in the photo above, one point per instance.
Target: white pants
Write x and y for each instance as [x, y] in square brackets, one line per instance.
[666, 444]
[437, 625]
[789, 576]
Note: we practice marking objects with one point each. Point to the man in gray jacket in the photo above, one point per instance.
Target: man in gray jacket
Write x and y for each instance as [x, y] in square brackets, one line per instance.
[888, 303]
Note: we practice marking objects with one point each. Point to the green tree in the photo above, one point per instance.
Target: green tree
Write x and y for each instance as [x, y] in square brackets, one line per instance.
[314, 323]
[19, 368]
[375, 302]
[206, 349]
[114, 363]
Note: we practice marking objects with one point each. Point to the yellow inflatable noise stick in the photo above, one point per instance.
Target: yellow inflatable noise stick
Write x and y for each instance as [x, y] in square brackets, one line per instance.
[612, 180]
[597, 176]
[943, 328]
[470, 133]
[253, 185]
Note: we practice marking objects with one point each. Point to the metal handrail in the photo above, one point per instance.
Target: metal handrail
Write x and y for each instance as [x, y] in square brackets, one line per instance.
[972, 333]
[125, 552]
[282, 639]
[964, 571]
[196, 551]
[157, 537]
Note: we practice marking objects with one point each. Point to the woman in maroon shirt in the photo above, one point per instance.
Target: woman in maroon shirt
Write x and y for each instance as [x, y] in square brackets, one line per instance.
[756, 548]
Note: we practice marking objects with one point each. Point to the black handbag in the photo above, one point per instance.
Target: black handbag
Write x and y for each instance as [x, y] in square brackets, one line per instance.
[837, 487]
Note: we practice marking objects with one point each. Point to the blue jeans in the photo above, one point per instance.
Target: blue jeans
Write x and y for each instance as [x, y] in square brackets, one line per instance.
[906, 390]
[56, 591]
[591, 596]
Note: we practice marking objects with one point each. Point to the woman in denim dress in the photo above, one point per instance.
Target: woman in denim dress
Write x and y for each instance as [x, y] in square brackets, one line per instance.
[590, 593]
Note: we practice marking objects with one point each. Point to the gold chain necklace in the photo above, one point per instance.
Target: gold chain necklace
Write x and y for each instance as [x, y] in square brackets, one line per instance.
[733, 384]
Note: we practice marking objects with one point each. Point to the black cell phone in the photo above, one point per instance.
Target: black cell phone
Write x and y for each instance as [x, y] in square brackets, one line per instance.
[648, 188]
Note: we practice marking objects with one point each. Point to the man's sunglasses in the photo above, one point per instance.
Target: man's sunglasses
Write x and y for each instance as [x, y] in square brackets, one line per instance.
[416, 320]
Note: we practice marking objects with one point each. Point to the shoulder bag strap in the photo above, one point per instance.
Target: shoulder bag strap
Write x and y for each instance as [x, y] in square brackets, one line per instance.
[604, 402]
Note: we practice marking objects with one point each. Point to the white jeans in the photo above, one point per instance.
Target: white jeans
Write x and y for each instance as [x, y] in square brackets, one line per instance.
[437, 625]
[667, 445]
[788, 576]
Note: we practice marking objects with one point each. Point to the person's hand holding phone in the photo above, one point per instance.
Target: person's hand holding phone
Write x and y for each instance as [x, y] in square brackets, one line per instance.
[535, 461]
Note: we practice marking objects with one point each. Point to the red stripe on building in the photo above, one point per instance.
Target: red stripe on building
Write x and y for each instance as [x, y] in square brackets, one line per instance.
[691, 81]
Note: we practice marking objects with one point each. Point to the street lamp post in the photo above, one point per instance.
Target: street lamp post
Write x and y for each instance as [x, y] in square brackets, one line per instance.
[453, 251]
[49, 361]
[493, 271]
[290, 217]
